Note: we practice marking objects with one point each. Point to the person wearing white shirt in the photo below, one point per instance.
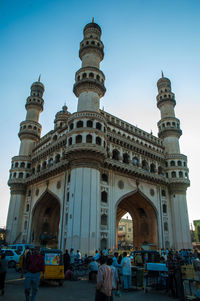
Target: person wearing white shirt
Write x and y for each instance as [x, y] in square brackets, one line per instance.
[96, 256]
[126, 271]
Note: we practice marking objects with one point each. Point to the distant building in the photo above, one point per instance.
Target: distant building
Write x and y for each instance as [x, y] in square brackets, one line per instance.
[125, 233]
[197, 230]
[72, 186]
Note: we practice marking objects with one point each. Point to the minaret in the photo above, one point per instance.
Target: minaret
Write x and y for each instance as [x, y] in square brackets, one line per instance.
[86, 146]
[89, 86]
[30, 129]
[176, 163]
[29, 134]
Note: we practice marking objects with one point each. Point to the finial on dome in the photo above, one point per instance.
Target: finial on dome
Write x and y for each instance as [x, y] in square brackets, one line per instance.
[39, 78]
[162, 73]
[93, 20]
[64, 107]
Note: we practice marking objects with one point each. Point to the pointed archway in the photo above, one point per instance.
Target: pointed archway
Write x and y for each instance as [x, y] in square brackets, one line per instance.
[144, 217]
[45, 220]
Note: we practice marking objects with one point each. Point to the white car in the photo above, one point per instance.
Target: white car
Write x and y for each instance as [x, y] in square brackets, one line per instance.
[12, 257]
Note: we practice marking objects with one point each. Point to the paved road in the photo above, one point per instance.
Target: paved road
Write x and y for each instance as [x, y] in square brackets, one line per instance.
[71, 291]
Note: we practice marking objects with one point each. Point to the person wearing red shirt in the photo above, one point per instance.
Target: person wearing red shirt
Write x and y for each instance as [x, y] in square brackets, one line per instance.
[34, 266]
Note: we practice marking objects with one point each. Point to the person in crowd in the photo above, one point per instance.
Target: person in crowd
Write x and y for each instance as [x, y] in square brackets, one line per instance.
[104, 282]
[105, 252]
[66, 259]
[171, 275]
[178, 261]
[78, 255]
[71, 256]
[119, 259]
[3, 271]
[69, 273]
[126, 271]
[138, 259]
[34, 266]
[93, 270]
[115, 278]
[115, 262]
[96, 256]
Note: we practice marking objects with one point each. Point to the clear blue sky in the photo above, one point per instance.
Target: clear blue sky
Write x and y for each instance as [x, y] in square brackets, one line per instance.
[141, 38]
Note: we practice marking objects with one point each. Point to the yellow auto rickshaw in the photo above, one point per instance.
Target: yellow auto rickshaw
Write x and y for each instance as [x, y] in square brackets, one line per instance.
[54, 267]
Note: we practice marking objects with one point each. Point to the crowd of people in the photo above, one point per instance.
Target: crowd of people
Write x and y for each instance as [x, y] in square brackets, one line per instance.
[111, 272]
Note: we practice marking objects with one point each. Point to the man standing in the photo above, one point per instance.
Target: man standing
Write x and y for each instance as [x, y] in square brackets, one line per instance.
[3, 270]
[126, 271]
[35, 264]
[104, 282]
[66, 259]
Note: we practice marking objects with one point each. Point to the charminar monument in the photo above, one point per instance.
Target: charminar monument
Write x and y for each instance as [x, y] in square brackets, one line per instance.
[72, 186]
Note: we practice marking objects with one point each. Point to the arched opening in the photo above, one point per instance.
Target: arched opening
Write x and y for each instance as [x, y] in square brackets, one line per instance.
[78, 139]
[103, 243]
[104, 196]
[104, 220]
[50, 162]
[104, 177]
[98, 140]
[145, 165]
[135, 161]
[79, 124]
[45, 221]
[98, 126]
[152, 168]
[57, 158]
[141, 226]
[89, 124]
[125, 158]
[115, 155]
[89, 139]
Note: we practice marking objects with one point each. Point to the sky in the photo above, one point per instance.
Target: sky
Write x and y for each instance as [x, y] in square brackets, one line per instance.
[141, 38]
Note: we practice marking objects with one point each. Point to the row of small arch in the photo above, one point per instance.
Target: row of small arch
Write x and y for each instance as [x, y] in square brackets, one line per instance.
[177, 174]
[90, 75]
[176, 163]
[34, 100]
[30, 127]
[144, 164]
[87, 43]
[19, 175]
[46, 164]
[133, 139]
[131, 128]
[21, 165]
[169, 124]
[89, 139]
[88, 123]
[166, 96]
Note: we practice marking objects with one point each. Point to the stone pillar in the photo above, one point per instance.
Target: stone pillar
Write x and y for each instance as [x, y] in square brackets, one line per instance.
[180, 221]
[84, 210]
[14, 218]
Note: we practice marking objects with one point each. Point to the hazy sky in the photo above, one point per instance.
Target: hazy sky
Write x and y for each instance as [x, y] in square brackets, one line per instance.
[141, 38]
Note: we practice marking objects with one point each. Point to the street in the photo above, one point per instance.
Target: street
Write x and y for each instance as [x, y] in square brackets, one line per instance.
[71, 290]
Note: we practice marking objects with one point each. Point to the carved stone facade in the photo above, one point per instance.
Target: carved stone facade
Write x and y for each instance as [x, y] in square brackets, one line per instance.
[73, 185]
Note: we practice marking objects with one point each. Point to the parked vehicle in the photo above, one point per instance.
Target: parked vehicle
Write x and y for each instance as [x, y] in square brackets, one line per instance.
[21, 247]
[54, 266]
[12, 257]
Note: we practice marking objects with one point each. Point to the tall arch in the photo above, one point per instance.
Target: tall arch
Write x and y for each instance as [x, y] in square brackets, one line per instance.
[46, 220]
[144, 216]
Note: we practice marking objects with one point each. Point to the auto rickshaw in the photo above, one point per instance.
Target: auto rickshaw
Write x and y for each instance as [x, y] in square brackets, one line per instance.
[54, 267]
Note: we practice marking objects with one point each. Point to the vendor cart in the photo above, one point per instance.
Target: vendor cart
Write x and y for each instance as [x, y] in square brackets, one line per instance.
[191, 280]
[155, 276]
